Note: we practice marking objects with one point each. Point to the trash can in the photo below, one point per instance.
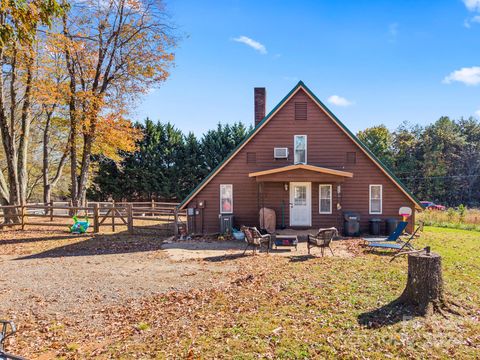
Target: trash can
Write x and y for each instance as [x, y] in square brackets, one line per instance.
[351, 225]
[375, 226]
[391, 225]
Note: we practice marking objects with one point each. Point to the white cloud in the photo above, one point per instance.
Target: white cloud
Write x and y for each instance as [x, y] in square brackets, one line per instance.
[477, 113]
[466, 75]
[472, 5]
[468, 22]
[252, 43]
[339, 101]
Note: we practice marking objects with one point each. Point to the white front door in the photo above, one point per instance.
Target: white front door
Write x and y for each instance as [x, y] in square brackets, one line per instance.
[300, 204]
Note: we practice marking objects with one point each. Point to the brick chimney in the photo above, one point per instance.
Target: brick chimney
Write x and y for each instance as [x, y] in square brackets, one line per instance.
[260, 95]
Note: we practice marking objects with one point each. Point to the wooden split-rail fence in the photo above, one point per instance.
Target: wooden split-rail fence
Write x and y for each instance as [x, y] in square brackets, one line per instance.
[113, 214]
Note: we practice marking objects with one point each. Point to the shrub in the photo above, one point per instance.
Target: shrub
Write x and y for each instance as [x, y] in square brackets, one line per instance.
[460, 218]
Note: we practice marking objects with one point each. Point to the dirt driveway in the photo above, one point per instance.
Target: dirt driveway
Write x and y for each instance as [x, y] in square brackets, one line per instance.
[50, 273]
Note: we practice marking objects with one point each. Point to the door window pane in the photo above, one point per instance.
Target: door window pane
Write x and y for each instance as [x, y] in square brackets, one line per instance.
[300, 195]
[300, 145]
[226, 198]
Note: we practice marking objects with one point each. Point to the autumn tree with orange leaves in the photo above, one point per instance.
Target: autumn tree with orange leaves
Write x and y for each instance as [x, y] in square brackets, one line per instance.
[20, 23]
[72, 71]
[115, 50]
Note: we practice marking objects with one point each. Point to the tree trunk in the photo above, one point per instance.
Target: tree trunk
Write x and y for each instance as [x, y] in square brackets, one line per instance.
[425, 283]
[73, 115]
[25, 127]
[46, 141]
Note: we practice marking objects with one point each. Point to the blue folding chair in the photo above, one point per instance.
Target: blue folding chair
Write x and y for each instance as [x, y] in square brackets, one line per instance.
[402, 225]
[397, 245]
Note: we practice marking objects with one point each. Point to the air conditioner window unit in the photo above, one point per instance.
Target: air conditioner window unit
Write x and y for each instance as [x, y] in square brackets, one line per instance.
[280, 153]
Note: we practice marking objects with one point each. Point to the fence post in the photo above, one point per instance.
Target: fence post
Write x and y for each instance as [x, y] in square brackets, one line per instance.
[175, 223]
[96, 226]
[22, 214]
[113, 215]
[130, 218]
[51, 210]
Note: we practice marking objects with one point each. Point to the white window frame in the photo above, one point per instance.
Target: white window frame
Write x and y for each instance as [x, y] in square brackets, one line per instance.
[231, 191]
[370, 200]
[320, 198]
[294, 149]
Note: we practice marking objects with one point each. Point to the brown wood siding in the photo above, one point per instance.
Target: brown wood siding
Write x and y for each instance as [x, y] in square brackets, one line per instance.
[327, 146]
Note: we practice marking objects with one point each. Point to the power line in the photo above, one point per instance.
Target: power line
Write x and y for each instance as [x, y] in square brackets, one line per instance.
[439, 177]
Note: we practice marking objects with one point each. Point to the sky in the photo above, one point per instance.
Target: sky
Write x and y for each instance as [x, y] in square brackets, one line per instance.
[370, 62]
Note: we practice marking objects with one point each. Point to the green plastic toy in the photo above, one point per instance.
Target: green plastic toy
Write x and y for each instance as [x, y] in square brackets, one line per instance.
[79, 226]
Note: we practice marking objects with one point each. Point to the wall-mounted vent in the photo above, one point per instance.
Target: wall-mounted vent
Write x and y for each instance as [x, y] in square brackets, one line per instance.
[280, 153]
[351, 157]
[300, 111]
[251, 157]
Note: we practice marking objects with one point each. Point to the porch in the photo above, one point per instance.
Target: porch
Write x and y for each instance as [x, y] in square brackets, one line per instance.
[303, 196]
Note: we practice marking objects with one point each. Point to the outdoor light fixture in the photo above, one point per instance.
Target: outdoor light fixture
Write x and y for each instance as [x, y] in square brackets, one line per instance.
[285, 185]
[339, 192]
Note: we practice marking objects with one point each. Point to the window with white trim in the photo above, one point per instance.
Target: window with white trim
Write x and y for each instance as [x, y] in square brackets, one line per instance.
[226, 198]
[375, 199]
[300, 149]
[325, 202]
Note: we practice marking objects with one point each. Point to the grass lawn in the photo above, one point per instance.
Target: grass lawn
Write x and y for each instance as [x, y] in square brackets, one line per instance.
[304, 308]
[287, 307]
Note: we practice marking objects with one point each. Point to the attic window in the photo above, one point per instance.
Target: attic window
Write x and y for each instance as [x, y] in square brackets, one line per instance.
[351, 157]
[300, 111]
[251, 158]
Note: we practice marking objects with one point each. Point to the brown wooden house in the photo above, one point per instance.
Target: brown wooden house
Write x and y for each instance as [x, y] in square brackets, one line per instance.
[301, 161]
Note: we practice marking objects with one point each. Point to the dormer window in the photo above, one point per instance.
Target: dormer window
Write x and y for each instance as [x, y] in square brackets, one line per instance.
[300, 149]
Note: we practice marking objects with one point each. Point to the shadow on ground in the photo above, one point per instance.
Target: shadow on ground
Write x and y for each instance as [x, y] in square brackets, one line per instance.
[66, 236]
[100, 244]
[205, 245]
[226, 257]
[389, 314]
[301, 258]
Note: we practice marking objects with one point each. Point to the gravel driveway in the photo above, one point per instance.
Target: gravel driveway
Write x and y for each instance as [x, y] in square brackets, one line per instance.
[53, 274]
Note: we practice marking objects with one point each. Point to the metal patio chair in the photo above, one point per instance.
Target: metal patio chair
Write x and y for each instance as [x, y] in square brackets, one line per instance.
[255, 239]
[322, 239]
[4, 325]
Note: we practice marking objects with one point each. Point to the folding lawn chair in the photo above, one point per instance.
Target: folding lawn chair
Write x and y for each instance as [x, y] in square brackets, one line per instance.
[402, 225]
[398, 245]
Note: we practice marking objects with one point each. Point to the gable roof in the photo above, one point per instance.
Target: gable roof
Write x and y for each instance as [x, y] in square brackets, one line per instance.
[318, 169]
[300, 85]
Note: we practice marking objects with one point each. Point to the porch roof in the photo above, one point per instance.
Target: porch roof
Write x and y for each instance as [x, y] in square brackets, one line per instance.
[303, 171]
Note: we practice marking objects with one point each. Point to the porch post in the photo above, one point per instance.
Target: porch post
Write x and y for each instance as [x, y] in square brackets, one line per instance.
[263, 203]
[258, 198]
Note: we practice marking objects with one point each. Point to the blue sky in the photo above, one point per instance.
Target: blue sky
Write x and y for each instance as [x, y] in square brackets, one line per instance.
[371, 62]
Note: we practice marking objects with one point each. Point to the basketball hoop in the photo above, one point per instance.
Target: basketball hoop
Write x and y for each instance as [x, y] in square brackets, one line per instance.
[405, 212]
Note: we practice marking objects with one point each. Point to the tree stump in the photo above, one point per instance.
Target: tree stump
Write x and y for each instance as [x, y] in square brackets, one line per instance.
[424, 287]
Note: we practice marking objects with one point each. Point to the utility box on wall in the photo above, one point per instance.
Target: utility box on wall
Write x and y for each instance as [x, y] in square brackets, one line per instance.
[195, 220]
[226, 223]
